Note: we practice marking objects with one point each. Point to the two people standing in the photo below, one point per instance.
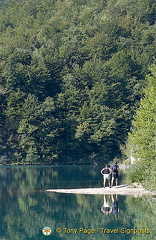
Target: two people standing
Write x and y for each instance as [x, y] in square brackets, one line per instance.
[107, 171]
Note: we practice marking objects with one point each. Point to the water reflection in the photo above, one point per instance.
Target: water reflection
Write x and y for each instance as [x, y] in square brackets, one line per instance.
[26, 208]
[110, 205]
[115, 205]
[106, 208]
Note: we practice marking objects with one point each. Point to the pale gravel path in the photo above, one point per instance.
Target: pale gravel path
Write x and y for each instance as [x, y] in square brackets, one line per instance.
[121, 190]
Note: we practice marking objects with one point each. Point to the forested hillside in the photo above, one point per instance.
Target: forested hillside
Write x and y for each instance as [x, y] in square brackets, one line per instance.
[71, 77]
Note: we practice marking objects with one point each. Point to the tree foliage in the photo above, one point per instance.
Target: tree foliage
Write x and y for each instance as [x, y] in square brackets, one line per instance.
[91, 65]
[143, 136]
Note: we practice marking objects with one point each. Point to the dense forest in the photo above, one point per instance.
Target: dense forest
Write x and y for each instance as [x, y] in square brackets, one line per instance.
[72, 74]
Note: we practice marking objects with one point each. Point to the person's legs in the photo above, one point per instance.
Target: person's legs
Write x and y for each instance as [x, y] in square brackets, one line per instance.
[116, 179]
[112, 181]
[106, 177]
[104, 181]
[109, 183]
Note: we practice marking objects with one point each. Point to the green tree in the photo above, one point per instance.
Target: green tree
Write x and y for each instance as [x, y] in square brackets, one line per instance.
[37, 130]
[143, 136]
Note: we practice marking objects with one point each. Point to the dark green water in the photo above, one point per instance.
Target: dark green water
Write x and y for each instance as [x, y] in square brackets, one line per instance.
[26, 208]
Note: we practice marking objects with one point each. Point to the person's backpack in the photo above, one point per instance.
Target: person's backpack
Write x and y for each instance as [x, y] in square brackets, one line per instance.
[115, 168]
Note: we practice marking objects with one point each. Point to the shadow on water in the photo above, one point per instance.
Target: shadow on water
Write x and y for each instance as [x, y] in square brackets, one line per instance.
[26, 208]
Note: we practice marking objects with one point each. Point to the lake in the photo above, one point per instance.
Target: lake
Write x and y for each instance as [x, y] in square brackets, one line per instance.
[28, 212]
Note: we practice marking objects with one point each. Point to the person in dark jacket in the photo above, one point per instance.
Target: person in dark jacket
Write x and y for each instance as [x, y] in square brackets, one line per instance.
[106, 175]
[115, 172]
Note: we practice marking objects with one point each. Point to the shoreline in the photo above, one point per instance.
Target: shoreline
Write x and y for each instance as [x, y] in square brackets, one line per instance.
[120, 190]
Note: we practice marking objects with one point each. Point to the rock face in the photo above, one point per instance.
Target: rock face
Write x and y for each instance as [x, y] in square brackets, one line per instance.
[121, 190]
